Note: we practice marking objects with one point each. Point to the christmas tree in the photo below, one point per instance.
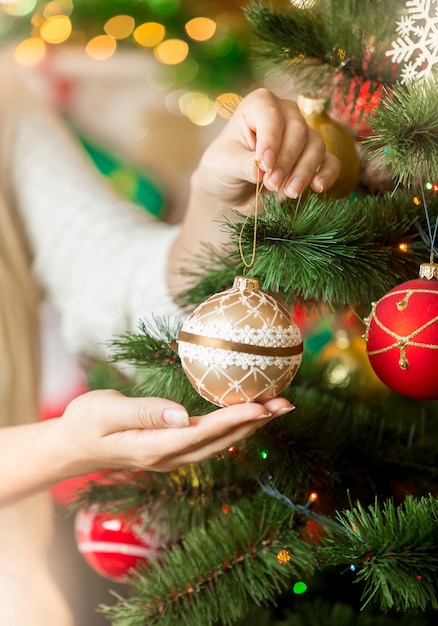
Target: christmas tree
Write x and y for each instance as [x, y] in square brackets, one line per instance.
[328, 515]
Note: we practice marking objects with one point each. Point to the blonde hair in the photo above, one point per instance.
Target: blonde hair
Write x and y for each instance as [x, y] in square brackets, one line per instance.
[19, 351]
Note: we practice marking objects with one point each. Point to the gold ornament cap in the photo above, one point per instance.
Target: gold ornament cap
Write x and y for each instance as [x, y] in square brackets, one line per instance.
[243, 283]
[309, 104]
[429, 271]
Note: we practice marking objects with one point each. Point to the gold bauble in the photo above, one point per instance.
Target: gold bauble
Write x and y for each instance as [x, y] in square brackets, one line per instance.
[347, 364]
[240, 345]
[337, 140]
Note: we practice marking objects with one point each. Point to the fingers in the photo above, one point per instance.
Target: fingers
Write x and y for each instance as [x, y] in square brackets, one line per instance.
[327, 174]
[114, 412]
[146, 433]
[166, 449]
[291, 155]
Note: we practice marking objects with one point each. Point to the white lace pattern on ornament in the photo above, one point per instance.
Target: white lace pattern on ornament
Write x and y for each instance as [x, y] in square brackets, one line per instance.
[267, 336]
[228, 358]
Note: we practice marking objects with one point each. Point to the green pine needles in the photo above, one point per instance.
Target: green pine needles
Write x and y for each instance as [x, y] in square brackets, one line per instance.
[215, 573]
[338, 252]
[394, 551]
[405, 137]
[316, 43]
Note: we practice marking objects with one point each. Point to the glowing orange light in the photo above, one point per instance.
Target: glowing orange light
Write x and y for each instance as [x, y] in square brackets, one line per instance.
[56, 29]
[284, 556]
[417, 201]
[60, 7]
[30, 52]
[403, 247]
[313, 496]
[226, 509]
[227, 103]
[119, 26]
[172, 51]
[149, 34]
[101, 47]
[201, 28]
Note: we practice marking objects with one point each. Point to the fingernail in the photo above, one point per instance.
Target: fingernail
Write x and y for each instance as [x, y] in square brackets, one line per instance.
[267, 161]
[265, 416]
[295, 188]
[276, 179]
[175, 417]
[320, 185]
[285, 410]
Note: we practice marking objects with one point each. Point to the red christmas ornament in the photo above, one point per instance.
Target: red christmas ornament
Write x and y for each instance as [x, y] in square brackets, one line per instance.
[402, 336]
[113, 543]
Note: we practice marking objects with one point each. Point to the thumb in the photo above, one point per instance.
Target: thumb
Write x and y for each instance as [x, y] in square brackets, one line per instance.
[152, 413]
[118, 412]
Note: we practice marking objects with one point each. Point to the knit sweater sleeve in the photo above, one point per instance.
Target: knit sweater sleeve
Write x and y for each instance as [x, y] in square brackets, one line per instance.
[101, 260]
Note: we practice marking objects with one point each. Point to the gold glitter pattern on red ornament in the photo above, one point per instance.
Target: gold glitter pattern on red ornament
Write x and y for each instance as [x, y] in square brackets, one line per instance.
[401, 342]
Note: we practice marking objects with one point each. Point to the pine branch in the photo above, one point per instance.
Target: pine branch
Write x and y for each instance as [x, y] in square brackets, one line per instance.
[236, 557]
[149, 345]
[175, 501]
[317, 43]
[394, 551]
[337, 252]
[287, 36]
[158, 367]
[405, 135]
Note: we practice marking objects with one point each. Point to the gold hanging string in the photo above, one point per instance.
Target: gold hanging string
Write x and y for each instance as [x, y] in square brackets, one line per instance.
[255, 207]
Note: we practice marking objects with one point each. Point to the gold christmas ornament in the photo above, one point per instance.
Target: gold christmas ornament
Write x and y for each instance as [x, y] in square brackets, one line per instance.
[338, 141]
[240, 345]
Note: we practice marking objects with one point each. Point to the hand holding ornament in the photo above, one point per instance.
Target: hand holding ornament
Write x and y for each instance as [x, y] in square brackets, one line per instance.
[105, 429]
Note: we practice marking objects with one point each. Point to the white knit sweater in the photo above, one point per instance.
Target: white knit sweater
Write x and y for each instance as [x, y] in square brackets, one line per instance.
[102, 263]
[100, 260]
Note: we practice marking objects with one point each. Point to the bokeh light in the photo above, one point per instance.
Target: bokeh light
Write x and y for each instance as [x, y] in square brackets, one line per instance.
[120, 26]
[149, 34]
[101, 47]
[18, 7]
[162, 81]
[201, 28]
[187, 70]
[172, 51]
[56, 29]
[227, 103]
[299, 588]
[284, 556]
[198, 108]
[172, 101]
[29, 52]
[61, 7]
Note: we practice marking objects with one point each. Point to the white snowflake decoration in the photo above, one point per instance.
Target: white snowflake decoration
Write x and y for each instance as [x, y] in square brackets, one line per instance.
[417, 45]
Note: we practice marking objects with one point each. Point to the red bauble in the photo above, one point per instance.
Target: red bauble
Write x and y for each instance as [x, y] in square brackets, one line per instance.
[113, 543]
[402, 337]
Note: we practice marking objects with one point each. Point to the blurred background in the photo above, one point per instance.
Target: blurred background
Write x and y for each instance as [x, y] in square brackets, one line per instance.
[145, 84]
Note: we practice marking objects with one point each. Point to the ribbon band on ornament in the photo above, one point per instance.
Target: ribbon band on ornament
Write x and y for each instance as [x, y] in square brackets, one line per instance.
[222, 344]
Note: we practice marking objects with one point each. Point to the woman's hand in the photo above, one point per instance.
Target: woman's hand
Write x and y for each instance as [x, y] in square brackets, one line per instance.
[107, 430]
[263, 130]
[104, 429]
[271, 132]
